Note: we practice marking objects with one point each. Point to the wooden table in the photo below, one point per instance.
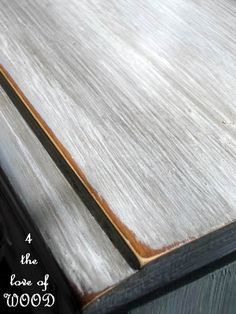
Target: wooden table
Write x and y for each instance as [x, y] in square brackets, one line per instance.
[118, 134]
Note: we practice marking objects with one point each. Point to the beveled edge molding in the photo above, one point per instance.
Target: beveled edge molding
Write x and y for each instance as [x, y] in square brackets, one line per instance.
[172, 270]
[143, 253]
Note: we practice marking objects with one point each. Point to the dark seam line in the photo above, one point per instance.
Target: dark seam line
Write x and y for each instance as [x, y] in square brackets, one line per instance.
[71, 177]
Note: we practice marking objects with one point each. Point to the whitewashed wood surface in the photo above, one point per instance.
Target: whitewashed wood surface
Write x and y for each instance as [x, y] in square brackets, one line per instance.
[85, 254]
[143, 95]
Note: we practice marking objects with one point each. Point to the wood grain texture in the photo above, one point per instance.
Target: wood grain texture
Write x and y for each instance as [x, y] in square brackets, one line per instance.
[17, 224]
[212, 294]
[168, 270]
[85, 254]
[141, 94]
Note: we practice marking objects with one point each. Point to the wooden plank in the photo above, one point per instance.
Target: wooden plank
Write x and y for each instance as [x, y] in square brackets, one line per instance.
[84, 252]
[139, 97]
[169, 271]
[212, 294]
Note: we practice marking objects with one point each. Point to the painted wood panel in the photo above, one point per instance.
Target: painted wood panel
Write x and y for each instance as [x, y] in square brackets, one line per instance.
[212, 294]
[139, 97]
[84, 252]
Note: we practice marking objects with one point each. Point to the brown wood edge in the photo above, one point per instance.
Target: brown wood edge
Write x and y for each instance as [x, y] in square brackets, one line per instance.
[88, 299]
[144, 254]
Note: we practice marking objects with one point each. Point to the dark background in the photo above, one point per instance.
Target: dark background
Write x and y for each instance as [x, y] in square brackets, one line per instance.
[5, 287]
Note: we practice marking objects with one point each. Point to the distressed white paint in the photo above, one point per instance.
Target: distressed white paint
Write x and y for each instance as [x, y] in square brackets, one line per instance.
[79, 245]
[143, 95]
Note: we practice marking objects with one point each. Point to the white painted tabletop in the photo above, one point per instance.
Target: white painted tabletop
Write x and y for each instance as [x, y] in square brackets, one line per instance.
[142, 94]
[79, 245]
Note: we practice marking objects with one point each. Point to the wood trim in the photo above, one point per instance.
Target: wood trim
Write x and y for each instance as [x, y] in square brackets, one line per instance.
[144, 254]
[177, 268]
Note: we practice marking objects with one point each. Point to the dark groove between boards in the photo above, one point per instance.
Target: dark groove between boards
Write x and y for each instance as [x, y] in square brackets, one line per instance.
[170, 271]
[71, 177]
